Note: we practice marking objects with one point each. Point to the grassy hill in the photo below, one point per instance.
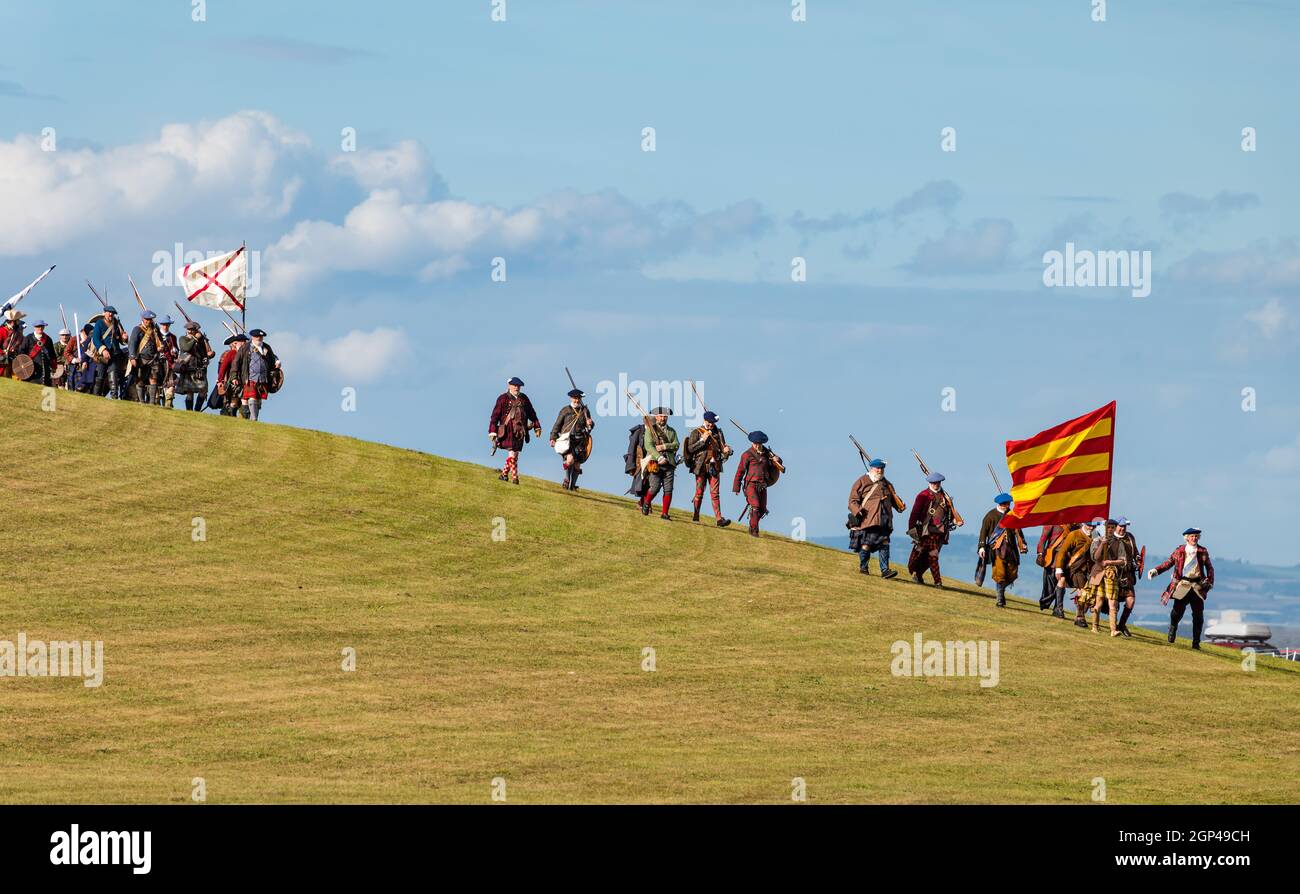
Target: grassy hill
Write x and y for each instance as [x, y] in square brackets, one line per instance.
[478, 658]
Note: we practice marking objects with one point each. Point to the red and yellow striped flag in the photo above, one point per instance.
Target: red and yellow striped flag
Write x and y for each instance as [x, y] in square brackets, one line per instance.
[1062, 475]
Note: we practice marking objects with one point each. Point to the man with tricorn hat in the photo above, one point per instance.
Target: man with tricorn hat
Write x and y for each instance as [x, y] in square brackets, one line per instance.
[572, 432]
[107, 341]
[661, 445]
[931, 521]
[705, 452]
[194, 352]
[1189, 585]
[145, 355]
[229, 384]
[512, 417]
[40, 348]
[1004, 546]
[257, 364]
[757, 470]
[872, 504]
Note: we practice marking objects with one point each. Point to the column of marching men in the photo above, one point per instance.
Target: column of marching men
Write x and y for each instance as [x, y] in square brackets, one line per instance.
[148, 364]
[1098, 559]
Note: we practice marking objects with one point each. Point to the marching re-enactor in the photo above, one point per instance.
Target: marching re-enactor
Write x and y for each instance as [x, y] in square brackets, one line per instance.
[1004, 545]
[706, 451]
[1130, 575]
[1190, 585]
[1073, 566]
[65, 355]
[40, 347]
[755, 472]
[168, 361]
[145, 353]
[929, 524]
[256, 360]
[192, 366]
[108, 340]
[660, 459]
[1110, 559]
[1048, 541]
[872, 504]
[12, 337]
[228, 380]
[512, 416]
[574, 421]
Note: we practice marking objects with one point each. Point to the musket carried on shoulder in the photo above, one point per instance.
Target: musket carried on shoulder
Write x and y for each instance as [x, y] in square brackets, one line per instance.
[582, 426]
[899, 505]
[925, 470]
[647, 464]
[716, 446]
[777, 464]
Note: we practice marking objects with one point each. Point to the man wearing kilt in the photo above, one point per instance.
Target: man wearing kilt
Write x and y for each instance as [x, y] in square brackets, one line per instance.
[256, 360]
[1073, 567]
[1048, 542]
[512, 416]
[574, 421]
[1131, 573]
[872, 504]
[1110, 561]
[192, 366]
[1004, 546]
[228, 381]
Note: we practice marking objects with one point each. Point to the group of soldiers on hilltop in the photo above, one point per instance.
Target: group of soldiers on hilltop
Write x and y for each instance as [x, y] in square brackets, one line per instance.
[1098, 559]
[149, 364]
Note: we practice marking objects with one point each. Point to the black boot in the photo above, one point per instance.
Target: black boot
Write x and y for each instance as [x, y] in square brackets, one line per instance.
[723, 522]
[695, 511]
[645, 508]
[1173, 632]
[889, 574]
[1002, 596]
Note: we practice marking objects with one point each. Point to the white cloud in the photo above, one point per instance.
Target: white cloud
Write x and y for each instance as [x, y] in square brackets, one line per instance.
[1284, 459]
[405, 167]
[1272, 319]
[1273, 265]
[355, 358]
[387, 234]
[983, 247]
[238, 165]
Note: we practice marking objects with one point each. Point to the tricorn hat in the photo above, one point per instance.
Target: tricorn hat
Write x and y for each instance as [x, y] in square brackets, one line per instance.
[234, 338]
[576, 392]
[1191, 531]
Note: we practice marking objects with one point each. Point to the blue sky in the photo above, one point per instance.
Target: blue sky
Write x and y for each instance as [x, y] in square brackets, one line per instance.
[775, 139]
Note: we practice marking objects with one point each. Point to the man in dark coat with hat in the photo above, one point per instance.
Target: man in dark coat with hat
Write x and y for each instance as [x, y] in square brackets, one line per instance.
[192, 366]
[705, 452]
[255, 361]
[931, 520]
[512, 416]
[40, 347]
[1001, 547]
[660, 460]
[572, 432]
[872, 504]
[755, 472]
[168, 361]
[228, 382]
[1189, 585]
[107, 340]
[145, 354]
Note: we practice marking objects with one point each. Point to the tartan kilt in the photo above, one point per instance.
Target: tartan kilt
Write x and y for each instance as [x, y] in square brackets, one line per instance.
[870, 539]
[255, 391]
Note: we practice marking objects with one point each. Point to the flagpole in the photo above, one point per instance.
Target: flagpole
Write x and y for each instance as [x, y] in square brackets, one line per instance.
[243, 311]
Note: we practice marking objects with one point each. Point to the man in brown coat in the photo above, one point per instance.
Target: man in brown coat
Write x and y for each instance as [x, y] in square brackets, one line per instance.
[1073, 565]
[872, 504]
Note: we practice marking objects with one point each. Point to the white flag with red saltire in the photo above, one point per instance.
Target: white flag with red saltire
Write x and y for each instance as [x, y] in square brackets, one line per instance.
[218, 282]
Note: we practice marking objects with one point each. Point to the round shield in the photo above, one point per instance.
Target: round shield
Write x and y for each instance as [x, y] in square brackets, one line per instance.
[276, 381]
[23, 367]
[582, 448]
[60, 370]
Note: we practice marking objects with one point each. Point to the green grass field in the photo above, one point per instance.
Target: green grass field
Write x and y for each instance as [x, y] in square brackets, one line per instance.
[522, 659]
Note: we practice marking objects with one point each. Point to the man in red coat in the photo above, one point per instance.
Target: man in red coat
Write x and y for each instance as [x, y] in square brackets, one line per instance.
[755, 473]
[1190, 584]
[512, 417]
[932, 518]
